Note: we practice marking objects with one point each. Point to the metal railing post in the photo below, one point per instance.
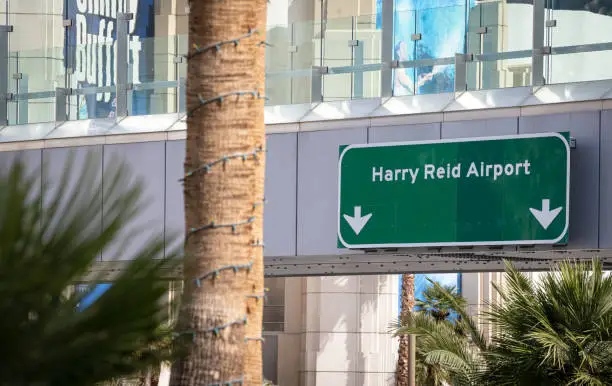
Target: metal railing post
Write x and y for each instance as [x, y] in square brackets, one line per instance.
[316, 91]
[5, 95]
[61, 101]
[359, 74]
[21, 83]
[461, 61]
[123, 85]
[386, 74]
[537, 57]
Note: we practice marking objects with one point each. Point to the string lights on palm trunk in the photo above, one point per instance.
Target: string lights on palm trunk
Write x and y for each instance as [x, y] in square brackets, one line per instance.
[253, 155]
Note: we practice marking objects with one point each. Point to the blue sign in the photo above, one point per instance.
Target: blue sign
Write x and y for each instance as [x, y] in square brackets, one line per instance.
[91, 51]
[92, 294]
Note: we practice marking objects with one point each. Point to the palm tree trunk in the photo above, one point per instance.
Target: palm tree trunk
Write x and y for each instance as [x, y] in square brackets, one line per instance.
[223, 264]
[403, 358]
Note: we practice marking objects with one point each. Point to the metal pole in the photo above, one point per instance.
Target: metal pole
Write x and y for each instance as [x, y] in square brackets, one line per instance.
[386, 74]
[316, 91]
[412, 360]
[359, 74]
[4, 70]
[123, 21]
[461, 71]
[22, 105]
[61, 100]
[537, 56]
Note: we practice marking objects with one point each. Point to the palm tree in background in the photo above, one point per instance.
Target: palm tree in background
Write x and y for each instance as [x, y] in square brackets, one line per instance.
[440, 302]
[222, 306]
[555, 332]
[50, 237]
[402, 372]
[449, 342]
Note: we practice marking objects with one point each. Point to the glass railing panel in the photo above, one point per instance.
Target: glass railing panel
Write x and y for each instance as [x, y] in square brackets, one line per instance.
[578, 67]
[308, 43]
[33, 76]
[500, 38]
[581, 41]
[499, 26]
[442, 36]
[294, 50]
[279, 63]
[91, 74]
[488, 73]
[366, 84]
[154, 74]
[425, 76]
[419, 78]
[404, 49]
[307, 38]
[574, 23]
[182, 42]
[92, 102]
[339, 37]
[37, 24]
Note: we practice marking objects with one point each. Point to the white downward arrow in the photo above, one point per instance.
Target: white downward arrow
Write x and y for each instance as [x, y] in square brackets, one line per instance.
[545, 216]
[357, 222]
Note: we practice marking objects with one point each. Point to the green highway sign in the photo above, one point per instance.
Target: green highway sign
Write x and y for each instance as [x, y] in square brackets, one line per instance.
[506, 190]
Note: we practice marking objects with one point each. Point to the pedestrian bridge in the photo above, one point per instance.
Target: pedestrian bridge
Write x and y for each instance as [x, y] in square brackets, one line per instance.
[302, 171]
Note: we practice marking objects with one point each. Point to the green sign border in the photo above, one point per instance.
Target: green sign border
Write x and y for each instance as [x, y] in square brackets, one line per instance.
[562, 136]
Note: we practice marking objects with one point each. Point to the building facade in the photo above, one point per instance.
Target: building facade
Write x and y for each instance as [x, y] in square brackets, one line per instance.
[78, 75]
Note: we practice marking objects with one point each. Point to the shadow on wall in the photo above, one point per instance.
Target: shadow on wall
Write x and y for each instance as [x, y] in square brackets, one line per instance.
[356, 348]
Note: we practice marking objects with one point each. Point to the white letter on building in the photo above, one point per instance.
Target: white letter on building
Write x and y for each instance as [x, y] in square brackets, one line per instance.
[79, 51]
[135, 48]
[82, 6]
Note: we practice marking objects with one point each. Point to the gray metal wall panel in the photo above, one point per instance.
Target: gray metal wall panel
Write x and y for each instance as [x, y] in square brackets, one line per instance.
[317, 206]
[175, 203]
[32, 159]
[280, 210]
[584, 171]
[147, 163]
[605, 188]
[480, 128]
[55, 160]
[421, 132]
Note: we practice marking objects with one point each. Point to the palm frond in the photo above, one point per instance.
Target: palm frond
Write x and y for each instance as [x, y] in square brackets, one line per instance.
[547, 332]
[466, 319]
[50, 236]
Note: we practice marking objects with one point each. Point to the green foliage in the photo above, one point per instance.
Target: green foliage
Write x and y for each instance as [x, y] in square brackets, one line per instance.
[556, 332]
[436, 303]
[49, 239]
[445, 352]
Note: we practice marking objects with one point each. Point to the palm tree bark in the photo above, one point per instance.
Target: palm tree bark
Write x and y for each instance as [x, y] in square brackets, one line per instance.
[402, 372]
[229, 71]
